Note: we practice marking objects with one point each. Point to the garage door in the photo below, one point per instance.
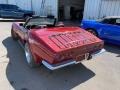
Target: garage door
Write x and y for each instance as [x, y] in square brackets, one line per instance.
[110, 8]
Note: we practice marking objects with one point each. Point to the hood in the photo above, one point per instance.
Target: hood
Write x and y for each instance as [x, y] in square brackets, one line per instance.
[65, 38]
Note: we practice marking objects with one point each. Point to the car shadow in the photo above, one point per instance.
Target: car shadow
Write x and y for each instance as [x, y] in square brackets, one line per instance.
[21, 77]
[113, 49]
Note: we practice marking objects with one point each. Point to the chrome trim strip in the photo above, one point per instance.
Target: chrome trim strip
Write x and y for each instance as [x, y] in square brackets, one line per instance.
[51, 67]
[71, 62]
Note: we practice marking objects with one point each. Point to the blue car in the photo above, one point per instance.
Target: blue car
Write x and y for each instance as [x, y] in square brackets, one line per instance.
[107, 28]
[13, 11]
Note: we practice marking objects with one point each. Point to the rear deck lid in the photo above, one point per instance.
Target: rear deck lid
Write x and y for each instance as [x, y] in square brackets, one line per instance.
[64, 38]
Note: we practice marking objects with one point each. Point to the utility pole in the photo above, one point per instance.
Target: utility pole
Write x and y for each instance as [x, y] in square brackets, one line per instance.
[42, 7]
[32, 5]
[7, 1]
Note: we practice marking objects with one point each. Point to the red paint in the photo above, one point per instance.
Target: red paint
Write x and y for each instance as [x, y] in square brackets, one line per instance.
[59, 43]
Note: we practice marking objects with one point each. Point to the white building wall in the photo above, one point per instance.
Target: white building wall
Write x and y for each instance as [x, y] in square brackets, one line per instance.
[51, 6]
[3, 1]
[36, 6]
[95, 9]
[26, 4]
[91, 9]
[110, 8]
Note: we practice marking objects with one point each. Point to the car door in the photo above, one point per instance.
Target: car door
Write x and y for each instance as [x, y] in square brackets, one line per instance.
[105, 27]
[17, 14]
[111, 31]
[114, 31]
[22, 33]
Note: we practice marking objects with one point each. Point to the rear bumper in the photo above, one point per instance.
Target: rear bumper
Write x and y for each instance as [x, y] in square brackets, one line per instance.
[69, 62]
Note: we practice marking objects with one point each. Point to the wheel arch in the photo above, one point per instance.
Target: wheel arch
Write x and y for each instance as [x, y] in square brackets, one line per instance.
[27, 14]
[93, 30]
[36, 57]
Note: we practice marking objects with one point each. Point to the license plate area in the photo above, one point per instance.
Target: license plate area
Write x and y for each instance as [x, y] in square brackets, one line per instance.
[82, 57]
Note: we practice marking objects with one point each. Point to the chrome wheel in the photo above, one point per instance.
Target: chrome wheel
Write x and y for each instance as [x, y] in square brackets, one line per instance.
[92, 32]
[29, 58]
[27, 54]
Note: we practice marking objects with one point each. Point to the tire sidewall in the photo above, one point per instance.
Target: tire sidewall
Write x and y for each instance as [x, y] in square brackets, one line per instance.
[31, 61]
[89, 30]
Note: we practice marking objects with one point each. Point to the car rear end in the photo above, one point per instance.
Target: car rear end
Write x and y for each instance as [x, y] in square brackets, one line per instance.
[70, 47]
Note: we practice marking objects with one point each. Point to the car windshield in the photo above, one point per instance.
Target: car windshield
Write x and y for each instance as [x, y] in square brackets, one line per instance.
[41, 21]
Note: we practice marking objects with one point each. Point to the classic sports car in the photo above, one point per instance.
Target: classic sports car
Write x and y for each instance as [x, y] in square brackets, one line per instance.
[55, 46]
[107, 28]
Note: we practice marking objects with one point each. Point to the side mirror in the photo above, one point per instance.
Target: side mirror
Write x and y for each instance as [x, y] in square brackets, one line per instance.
[21, 24]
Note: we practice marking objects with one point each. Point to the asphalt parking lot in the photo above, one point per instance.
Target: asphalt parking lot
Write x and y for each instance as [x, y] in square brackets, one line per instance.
[101, 73]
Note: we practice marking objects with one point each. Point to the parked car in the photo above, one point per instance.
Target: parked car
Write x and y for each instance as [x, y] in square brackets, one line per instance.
[13, 11]
[55, 46]
[107, 28]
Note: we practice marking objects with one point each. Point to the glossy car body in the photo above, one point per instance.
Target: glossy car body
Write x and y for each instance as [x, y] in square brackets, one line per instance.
[107, 29]
[13, 11]
[56, 46]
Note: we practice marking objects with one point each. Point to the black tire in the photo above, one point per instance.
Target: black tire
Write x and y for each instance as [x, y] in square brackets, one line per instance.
[92, 31]
[29, 57]
[14, 35]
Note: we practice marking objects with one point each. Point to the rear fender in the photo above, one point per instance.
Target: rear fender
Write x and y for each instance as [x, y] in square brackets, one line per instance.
[93, 30]
[36, 57]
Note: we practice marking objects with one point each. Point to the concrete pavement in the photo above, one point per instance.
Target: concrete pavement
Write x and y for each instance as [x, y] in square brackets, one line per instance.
[101, 73]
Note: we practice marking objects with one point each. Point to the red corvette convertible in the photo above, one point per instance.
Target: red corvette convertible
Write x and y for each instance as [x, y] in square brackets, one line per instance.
[55, 46]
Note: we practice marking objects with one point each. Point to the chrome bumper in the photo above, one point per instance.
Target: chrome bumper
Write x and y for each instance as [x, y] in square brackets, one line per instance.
[67, 63]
